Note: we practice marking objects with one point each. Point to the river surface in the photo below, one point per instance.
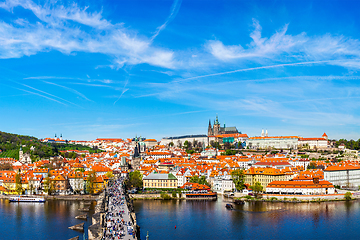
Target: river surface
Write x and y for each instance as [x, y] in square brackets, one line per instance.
[211, 220]
[49, 220]
[193, 220]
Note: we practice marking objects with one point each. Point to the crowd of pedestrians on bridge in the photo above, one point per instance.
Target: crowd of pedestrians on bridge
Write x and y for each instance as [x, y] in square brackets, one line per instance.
[117, 219]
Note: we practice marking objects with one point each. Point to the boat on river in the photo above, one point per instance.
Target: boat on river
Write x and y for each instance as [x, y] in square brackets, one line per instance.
[239, 202]
[229, 206]
[27, 199]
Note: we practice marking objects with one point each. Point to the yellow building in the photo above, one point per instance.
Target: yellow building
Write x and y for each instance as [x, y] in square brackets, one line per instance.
[264, 176]
[9, 184]
[158, 180]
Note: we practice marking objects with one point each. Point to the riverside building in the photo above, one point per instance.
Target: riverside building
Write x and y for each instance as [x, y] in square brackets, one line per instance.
[314, 187]
[158, 180]
[264, 176]
[345, 176]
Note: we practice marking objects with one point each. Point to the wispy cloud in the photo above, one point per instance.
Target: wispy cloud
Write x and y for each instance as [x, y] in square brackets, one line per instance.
[51, 95]
[173, 12]
[285, 47]
[253, 69]
[51, 77]
[41, 95]
[54, 31]
[69, 89]
[123, 91]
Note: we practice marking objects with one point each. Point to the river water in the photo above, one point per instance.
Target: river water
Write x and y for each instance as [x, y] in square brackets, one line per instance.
[211, 220]
[49, 220]
[193, 219]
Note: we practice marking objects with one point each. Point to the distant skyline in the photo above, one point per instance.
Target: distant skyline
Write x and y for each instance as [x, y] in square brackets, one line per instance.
[95, 69]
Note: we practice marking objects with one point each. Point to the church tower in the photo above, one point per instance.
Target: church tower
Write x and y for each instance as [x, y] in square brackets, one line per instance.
[21, 154]
[216, 126]
[210, 129]
[135, 163]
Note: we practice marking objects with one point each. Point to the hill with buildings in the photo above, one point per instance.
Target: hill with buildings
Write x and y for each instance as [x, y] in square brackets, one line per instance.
[10, 145]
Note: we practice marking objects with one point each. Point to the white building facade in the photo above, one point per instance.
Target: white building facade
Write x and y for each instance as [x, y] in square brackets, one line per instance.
[287, 142]
[300, 188]
[346, 176]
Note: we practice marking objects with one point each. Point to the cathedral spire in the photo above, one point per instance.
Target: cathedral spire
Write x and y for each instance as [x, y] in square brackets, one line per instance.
[217, 120]
[210, 129]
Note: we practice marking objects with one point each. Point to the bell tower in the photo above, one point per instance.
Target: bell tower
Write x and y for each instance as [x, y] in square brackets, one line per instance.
[216, 126]
[210, 129]
[21, 154]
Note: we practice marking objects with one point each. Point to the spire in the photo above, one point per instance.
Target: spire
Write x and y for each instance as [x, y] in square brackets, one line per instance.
[217, 120]
[266, 133]
[262, 133]
[209, 123]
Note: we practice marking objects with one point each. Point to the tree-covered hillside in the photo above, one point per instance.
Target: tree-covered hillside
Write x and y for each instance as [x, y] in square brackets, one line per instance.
[349, 144]
[10, 146]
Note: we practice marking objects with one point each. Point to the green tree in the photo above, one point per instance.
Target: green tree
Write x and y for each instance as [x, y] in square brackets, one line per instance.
[238, 177]
[202, 180]
[31, 188]
[165, 196]
[109, 174]
[312, 165]
[199, 180]
[135, 180]
[187, 145]
[348, 196]
[194, 179]
[49, 185]
[257, 189]
[18, 187]
[90, 182]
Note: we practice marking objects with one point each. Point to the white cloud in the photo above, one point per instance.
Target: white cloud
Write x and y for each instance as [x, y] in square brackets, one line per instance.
[56, 31]
[173, 12]
[285, 47]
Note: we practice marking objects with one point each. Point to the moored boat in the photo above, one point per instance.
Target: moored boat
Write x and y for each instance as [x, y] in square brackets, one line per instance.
[27, 199]
[238, 202]
[229, 206]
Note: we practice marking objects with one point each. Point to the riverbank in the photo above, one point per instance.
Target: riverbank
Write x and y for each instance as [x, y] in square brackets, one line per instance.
[296, 199]
[49, 220]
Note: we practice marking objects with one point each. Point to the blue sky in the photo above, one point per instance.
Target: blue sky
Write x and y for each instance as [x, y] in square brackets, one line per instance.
[91, 69]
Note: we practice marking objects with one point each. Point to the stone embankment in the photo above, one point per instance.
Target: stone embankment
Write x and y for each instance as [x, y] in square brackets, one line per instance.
[144, 196]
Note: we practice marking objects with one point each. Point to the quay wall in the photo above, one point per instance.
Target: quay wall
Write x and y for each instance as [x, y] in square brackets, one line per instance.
[144, 196]
[306, 197]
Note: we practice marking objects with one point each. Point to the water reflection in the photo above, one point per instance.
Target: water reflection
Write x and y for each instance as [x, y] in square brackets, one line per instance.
[211, 220]
[49, 220]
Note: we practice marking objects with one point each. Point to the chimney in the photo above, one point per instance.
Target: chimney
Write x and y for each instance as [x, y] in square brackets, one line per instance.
[316, 180]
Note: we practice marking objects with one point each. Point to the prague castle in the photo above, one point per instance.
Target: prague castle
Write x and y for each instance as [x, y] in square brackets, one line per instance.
[217, 130]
